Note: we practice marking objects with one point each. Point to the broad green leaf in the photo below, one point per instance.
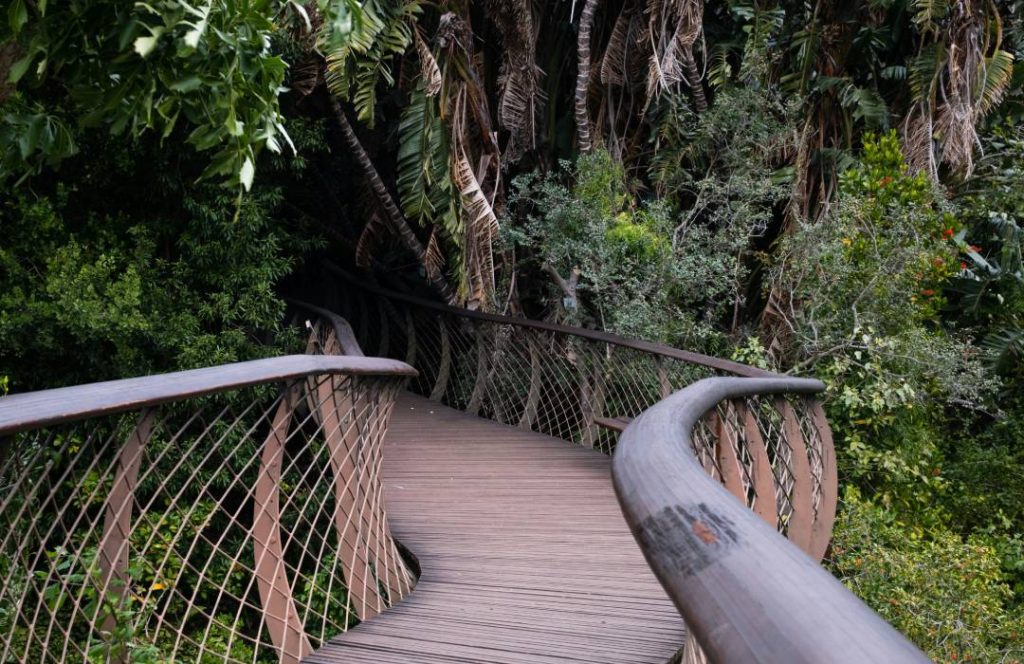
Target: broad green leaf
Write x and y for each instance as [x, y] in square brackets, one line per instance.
[193, 36]
[246, 174]
[19, 68]
[187, 84]
[17, 15]
[145, 45]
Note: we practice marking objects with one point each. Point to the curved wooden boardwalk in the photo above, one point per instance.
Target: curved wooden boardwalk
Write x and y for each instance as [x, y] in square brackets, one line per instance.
[524, 551]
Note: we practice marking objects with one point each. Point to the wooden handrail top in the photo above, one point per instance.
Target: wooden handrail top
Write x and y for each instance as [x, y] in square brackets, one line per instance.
[30, 410]
[342, 329]
[747, 592]
[717, 363]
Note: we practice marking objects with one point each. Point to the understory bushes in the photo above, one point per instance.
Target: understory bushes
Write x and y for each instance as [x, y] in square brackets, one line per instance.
[118, 268]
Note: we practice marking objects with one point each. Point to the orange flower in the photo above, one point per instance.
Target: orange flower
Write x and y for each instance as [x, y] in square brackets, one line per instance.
[927, 292]
[948, 232]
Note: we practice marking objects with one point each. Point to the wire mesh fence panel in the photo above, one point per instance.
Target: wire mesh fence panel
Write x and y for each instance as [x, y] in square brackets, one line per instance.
[773, 453]
[242, 526]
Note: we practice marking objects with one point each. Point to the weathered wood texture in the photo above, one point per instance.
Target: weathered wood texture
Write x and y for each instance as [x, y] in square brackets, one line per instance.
[524, 554]
[748, 594]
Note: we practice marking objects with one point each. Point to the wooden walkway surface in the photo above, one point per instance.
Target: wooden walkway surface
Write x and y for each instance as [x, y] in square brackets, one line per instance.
[525, 555]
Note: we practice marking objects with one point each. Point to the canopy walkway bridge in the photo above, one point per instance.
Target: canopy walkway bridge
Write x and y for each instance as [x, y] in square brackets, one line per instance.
[482, 489]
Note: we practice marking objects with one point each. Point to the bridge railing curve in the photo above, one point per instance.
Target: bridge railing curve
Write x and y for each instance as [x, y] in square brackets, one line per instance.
[230, 514]
[703, 447]
[746, 594]
[772, 452]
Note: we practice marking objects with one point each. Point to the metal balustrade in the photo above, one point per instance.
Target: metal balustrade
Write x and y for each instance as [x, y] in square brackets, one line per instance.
[774, 453]
[227, 514]
[237, 513]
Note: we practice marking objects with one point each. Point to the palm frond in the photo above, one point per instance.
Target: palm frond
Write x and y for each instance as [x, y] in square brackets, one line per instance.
[429, 70]
[370, 238]
[613, 62]
[995, 79]
[423, 185]
[923, 72]
[928, 14]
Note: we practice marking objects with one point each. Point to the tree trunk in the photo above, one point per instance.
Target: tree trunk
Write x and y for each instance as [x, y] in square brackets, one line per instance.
[692, 74]
[387, 203]
[583, 75]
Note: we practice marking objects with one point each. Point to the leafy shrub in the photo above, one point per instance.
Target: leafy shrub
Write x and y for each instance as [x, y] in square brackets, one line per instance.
[120, 271]
[639, 276]
[947, 594]
[866, 293]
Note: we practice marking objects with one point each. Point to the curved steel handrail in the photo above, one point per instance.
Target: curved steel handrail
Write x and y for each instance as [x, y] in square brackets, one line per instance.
[717, 363]
[747, 593]
[128, 500]
[20, 412]
[776, 455]
[342, 330]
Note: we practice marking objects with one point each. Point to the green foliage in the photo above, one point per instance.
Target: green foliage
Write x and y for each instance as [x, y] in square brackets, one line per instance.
[866, 290]
[948, 595]
[988, 293]
[378, 31]
[177, 279]
[424, 181]
[635, 279]
[145, 68]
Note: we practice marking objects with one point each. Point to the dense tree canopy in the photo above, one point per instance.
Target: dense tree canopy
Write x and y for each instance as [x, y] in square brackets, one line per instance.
[828, 188]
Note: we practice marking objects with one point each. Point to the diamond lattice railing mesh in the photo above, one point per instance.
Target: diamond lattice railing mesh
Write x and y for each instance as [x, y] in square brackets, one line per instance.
[246, 526]
[581, 390]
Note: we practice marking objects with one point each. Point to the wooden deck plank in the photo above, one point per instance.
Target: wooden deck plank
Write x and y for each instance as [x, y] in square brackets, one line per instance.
[525, 555]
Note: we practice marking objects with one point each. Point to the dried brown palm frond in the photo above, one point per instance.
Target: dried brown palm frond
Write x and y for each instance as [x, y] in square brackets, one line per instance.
[481, 227]
[370, 239]
[475, 163]
[520, 97]
[918, 131]
[429, 70]
[613, 62]
[481, 216]
[480, 224]
[958, 76]
[674, 27]
[434, 258]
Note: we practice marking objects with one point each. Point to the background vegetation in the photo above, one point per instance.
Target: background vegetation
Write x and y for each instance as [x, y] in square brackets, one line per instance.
[828, 188]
